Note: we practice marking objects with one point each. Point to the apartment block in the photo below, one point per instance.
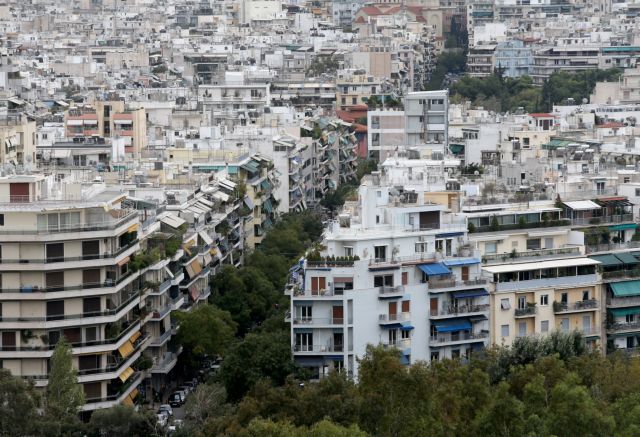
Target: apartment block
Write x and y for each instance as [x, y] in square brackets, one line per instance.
[426, 120]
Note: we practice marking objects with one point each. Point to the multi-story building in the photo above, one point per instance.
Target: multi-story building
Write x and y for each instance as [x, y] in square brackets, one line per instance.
[396, 271]
[68, 271]
[535, 298]
[426, 120]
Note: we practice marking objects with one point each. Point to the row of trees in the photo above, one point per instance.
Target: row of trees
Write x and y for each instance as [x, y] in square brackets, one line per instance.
[539, 387]
[503, 94]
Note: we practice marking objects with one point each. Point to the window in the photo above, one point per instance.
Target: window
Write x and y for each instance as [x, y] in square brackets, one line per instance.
[304, 341]
[393, 336]
[544, 299]
[348, 251]
[405, 335]
[377, 219]
[90, 334]
[421, 247]
[544, 326]
[504, 330]
[54, 281]
[435, 356]
[383, 281]
[90, 249]
[404, 276]
[522, 329]
[564, 298]
[564, 325]
[406, 306]
[55, 309]
[585, 295]
[630, 318]
[55, 252]
[637, 192]
[380, 252]
[533, 244]
[504, 304]
[490, 248]
[522, 302]
[306, 313]
[1, 219]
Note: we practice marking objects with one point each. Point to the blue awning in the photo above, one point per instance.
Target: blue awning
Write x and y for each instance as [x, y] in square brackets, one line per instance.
[471, 293]
[434, 269]
[461, 262]
[449, 234]
[404, 360]
[407, 328]
[453, 325]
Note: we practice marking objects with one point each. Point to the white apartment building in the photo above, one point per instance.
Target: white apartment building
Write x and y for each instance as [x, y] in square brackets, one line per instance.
[396, 271]
[426, 120]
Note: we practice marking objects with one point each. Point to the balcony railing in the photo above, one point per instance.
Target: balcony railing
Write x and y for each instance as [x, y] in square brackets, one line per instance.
[404, 343]
[622, 326]
[623, 301]
[55, 288]
[589, 304]
[530, 254]
[450, 283]
[603, 220]
[612, 246]
[461, 309]
[78, 227]
[134, 379]
[386, 289]
[517, 226]
[318, 348]
[50, 260]
[318, 320]
[401, 317]
[528, 311]
[440, 340]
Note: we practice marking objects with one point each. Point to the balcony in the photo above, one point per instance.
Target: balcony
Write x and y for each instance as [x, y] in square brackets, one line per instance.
[624, 327]
[603, 220]
[453, 283]
[389, 291]
[316, 349]
[529, 311]
[402, 344]
[628, 301]
[317, 321]
[581, 305]
[460, 310]
[85, 286]
[384, 319]
[98, 225]
[165, 363]
[116, 398]
[328, 293]
[160, 341]
[518, 226]
[612, 247]
[621, 274]
[451, 340]
[531, 254]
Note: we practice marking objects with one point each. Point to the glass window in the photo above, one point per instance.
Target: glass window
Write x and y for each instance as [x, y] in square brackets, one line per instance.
[544, 299]
[504, 304]
[544, 326]
[490, 248]
[504, 330]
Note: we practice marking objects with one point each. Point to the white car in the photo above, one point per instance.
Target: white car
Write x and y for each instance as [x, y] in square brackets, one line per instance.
[163, 419]
[166, 408]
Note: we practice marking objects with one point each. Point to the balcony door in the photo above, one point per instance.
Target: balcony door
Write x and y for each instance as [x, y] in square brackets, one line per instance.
[338, 314]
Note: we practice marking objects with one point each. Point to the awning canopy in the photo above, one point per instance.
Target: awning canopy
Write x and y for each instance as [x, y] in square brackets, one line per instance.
[223, 197]
[205, 237]
[342, 280]
[453, 325]
[623, 227]
[614, 201]
[622, 312]
[449, 234]
[582, 205]
[123, 261]
[126, 349]
[626, 288]
[126, 374]
[173, 221]
[74, 122]
[434, 269]
[471, 293]
[194, 268]
[194, 292]
[251, 167]
[248, 202]
[607, 260]
[136, 335]
[226, 183]
[406, 328]
[627, 258]
[461, 262]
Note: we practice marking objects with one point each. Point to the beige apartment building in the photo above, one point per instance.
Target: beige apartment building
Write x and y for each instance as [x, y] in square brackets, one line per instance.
[67, 271]
[535, 298]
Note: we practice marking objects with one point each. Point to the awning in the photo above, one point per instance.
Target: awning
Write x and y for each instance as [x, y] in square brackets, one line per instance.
[342, 280]
[406, 328]
[124, 261]
[207, 258]
[627, 258]
[614, 201]
[223, 197]
[471, 293]
[623, 227]
[267, 206]
[133, 228]
[453, 325]
[126, 374]
[248, 202]
[434, 269]
[74, 122]
[194, 292]
[194, 268]
[226, 183]
[626, 288]
[622, 312]
[62, 103]
[135, 336]
[122, 121]
[205, 237]
[582, 205]
[133, 394]
[60, 153]
[461, 262]
[126, 349]
[127, 401]
[251, 167]
[90, 122]
[607, 260]
[449, 234]
[264, 185]
[206, 202]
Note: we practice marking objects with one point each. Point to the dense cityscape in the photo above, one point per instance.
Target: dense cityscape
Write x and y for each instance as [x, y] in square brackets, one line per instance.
[319, 218]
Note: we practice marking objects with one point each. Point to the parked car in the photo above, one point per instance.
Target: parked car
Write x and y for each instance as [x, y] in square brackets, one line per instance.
[162, 418]
[175, 400]
[185, 388]
[167, 408]
[182, 394]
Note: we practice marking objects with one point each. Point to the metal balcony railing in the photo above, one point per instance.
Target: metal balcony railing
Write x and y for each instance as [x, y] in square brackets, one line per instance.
[589, 304]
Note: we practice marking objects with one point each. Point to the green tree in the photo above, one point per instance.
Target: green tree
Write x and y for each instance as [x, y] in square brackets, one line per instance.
[205, 330]
[18, 403]
[122, 420]
[260, 355]
[64, 396]
[504, 416]
[206, 401]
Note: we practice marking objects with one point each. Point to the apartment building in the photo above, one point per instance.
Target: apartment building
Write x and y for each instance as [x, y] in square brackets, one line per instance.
[67, 271]
[385, 130]
[355, 89]
[17, 139]
[396, 271]
[426, 119]
[535, 298]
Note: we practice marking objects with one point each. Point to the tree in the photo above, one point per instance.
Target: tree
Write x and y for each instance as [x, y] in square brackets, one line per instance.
[205, 330]
[260, 355]
[206, 401]
[121, 420]
[64, 396]
[18, 402]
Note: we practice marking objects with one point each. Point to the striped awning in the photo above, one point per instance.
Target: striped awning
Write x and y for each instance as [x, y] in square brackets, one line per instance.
[126, 374]
[126, 349]
[135, 336]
